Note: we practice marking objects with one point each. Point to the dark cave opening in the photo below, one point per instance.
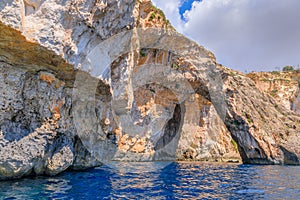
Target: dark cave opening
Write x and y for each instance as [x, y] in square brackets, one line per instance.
[172, 129]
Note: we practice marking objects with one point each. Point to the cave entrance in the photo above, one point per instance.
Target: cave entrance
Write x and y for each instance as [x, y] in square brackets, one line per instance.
[166, 146]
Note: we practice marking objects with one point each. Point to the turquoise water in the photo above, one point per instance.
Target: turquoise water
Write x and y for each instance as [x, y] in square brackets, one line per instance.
[161, 180]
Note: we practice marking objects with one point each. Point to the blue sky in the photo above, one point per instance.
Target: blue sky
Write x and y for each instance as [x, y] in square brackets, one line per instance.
[185, 5]
[248, 35]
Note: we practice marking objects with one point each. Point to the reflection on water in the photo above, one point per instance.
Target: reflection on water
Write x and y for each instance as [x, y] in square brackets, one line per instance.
[57, 187]
[161, 180]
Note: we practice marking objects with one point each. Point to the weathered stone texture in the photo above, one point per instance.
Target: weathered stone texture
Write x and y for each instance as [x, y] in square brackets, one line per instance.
[86, 82]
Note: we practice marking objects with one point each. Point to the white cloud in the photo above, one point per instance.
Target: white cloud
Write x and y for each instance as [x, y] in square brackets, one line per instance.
[245, 34]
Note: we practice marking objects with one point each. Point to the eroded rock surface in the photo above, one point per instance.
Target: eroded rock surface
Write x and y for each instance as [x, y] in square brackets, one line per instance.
[283, 86]
[86, 82]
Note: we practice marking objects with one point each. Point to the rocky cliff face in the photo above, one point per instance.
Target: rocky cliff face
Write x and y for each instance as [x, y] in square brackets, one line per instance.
[283, 86]
[86, 82]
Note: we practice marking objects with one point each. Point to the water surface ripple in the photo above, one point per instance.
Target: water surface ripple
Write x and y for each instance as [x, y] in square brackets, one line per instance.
[160, 180]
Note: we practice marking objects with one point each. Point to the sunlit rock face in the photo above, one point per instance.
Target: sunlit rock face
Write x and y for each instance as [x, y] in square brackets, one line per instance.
[283, 86]
[88, 82]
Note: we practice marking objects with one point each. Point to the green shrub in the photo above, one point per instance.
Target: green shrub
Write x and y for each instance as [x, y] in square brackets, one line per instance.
[152, 16]
[275, 72]
[234, 144]
[274, 92]
[288, 68]
[232, 74]
[143, 53]
[175, 66]
[250, 121]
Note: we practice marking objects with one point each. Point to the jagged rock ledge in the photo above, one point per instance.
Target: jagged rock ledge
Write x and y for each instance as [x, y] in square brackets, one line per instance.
[87, 82]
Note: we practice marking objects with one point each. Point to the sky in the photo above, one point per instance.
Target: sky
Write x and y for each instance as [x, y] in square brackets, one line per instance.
[247, 35]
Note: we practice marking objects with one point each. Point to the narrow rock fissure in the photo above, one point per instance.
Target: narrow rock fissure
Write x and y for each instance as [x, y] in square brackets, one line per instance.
[171, 131]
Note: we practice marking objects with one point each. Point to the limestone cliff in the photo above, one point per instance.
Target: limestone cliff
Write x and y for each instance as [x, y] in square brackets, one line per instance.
[283, 86]
[85, 82]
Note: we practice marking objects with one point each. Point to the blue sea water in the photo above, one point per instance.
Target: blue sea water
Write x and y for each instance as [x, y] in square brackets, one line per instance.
[162, 180]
